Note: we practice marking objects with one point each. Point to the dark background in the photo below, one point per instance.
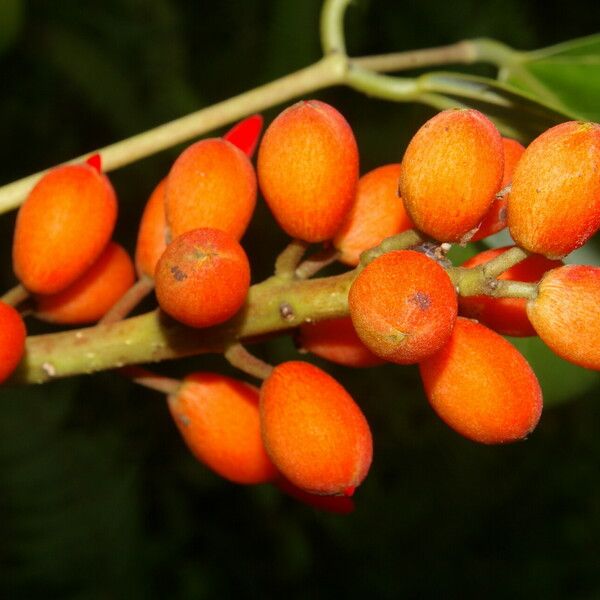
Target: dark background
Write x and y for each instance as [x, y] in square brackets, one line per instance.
[98, 496]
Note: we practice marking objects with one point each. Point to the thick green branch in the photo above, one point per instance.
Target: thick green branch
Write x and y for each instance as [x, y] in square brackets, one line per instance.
[275, 305]
[272, 306]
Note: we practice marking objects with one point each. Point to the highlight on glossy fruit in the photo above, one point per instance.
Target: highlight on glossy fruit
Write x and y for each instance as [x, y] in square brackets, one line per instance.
[566, 313]
[218, 418]
[451, 171]
[554, 203]
[12, 340]
[245, 134]
[507, 316]
[152, 233]
[62, 227]
[496, 217]
[314, 432]
[211, 184]
[481, 386]
[403, 306]
[202, 278]
[90, 296]
[377, 213]
[336, 340]
[308, 170]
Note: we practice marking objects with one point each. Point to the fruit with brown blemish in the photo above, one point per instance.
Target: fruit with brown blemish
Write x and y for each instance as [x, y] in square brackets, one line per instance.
[202, 279]
[451, 172]
[377, 213]
[507, 316]
[481, 386]
[336, 340]
[403, 306]
[314, 432]
[308, 170]
[218, 418]
[554, 203]
[566, 313]
[211, 184]
[62, 227]
[12, 340]
[90, 296]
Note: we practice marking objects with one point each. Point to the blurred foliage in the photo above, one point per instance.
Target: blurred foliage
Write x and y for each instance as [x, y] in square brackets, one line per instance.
[98, 496]
[566, 76]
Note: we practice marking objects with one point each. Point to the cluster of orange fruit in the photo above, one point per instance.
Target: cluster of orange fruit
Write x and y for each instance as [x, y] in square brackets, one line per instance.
[459, 181]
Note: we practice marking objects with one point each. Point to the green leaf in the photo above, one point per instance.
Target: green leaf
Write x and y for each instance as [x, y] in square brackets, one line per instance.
[516, 113]
[566, 76]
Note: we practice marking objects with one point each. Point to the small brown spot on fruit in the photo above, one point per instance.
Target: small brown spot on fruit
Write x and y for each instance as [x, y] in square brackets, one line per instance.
[178, 274]
[421, 299]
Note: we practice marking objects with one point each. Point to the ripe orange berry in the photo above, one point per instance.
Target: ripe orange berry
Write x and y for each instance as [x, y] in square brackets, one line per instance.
[202, 278]
[566, 313]
[313, 431]
[336, 340]
[152, 232]
[308, 170]
[218, 418]
[12, 340]
[481, 386]
[88, 298]
[554, 203]
[211, 184]
[495, 219]
[403, 306]
[62, 227]
[451, 171]
[377, 213]
[507, 316]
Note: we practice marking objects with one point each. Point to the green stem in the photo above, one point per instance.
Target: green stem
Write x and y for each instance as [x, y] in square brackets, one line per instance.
[313, 264]
[151, 380]
[154, 337]
[15, 296]
[515, 289]
[401, 241]
[382, 86]
[482, 280]
[335, 68]
[460, 53]
[503, 262]
[273, 306]
[289, 259]
[245, 361]
[494, 52]
[129, 300]
[332, 26]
